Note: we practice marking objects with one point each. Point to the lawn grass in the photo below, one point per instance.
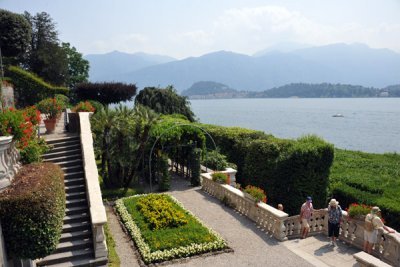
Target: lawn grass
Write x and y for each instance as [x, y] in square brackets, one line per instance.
[113, 259]
[368, 178]
[171, 242]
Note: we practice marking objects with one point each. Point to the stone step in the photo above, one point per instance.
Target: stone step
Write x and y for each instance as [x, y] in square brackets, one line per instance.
[64, 158]
[71, 163]
[75, 188]
[69, 203]
[84, 263]
[63, 257]
[65, 148]
[65, 237]
[71, 169]
[76, 226]
[75, 181]
[74, 245]
[67, 152]
[63, 140]
[72, 175]
[75, 195]
[76, 210]
[76, 217]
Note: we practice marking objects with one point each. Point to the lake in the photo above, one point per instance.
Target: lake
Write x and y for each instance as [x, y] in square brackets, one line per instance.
[368, 124]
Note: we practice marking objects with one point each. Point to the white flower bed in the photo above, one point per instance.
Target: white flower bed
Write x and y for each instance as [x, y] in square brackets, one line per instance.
[179, 252]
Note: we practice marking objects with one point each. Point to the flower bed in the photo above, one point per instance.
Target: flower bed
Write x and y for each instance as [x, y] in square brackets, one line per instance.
[170, 242]
[356, 210]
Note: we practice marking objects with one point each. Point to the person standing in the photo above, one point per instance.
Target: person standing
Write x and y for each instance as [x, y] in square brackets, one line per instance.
[371, 225]
[305, 216]
[334, 220]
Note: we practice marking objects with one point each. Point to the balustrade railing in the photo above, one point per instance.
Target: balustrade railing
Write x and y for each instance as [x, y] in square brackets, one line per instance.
[283, 227]
[9, 161]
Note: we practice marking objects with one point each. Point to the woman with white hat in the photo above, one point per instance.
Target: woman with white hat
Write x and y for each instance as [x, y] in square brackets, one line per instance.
[334, 220]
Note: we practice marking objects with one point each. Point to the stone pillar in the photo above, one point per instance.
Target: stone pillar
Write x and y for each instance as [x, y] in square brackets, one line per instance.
[100, 247]
[6, 161]
[232, 175]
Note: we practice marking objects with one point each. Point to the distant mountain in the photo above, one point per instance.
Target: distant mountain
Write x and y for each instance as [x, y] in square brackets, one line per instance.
[110, 66]
[284, 47]
[337, 63]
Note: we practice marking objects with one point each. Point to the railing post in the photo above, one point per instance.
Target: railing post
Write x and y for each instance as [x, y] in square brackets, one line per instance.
[6, 161]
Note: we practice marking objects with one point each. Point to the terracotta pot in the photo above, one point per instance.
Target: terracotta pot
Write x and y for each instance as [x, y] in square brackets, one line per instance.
[50, 125]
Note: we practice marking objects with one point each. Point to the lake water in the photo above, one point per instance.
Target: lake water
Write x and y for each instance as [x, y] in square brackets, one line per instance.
[368, 124]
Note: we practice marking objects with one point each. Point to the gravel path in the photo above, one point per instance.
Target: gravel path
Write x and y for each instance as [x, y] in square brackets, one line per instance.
[252, 247]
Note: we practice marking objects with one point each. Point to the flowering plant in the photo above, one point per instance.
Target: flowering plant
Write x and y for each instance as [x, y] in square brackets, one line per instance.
[257, 193]
[83, 107]
[358, 210]
[50, 107]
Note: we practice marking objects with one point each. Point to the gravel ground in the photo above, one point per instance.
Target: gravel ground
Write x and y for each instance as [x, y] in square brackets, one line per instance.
[252, 247]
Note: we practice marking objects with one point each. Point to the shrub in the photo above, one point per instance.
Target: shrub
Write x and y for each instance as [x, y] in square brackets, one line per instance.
[219, 177]
[356, 210]
[29, 88]
[83, 107]
[63, 100]
[105, 93]
[215, 161]
[96, 104]
[32, 211]
[50, 107]
[257, 193]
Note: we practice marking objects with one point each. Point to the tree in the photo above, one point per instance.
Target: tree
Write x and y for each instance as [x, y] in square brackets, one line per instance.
[105, 93]
[165, 101]
[15, 34]
[78, 67]
[46, 57]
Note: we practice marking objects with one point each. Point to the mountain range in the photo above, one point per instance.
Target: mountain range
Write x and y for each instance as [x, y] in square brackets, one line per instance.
[355, 64]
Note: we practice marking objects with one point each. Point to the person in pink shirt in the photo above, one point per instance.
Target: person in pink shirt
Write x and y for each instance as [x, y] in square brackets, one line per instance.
[305, 216]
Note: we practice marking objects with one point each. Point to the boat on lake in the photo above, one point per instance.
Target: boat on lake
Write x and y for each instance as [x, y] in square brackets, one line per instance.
[338, 115]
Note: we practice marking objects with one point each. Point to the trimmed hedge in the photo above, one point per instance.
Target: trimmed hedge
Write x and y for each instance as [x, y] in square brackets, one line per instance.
[32, 211]
[367, 178]
[29, 88]
[288, 170]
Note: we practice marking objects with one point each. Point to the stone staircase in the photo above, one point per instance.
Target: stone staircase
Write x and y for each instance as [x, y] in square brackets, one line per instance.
[76, 243]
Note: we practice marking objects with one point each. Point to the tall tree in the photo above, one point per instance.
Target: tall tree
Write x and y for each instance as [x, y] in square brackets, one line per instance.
[46, 57]
[78, 67]
[15, 34]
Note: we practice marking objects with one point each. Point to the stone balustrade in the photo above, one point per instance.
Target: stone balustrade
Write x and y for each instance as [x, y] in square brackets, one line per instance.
[97, 210]
[267, 217]
[282, 227]
[9, 161]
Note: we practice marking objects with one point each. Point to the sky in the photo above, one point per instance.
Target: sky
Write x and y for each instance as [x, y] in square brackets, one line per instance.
[184, 28]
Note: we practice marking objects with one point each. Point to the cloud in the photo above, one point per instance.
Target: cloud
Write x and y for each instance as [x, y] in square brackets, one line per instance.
[131, 42]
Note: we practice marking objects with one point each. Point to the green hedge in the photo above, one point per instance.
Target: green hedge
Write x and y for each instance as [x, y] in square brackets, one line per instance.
[288, 170]
[32, 211]
[29, 88]
[367, 178]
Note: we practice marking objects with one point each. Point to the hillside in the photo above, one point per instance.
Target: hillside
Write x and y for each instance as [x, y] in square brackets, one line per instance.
[210, 90]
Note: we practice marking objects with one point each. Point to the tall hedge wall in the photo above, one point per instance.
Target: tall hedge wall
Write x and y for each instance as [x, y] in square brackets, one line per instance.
[288, 170]
[32, 211]
[29, 88]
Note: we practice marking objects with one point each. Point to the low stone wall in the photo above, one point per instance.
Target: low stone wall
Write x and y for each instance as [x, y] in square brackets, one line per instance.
[97, 209]
[283, 227]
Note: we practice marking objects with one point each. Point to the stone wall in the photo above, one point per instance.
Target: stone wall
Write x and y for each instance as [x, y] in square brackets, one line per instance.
[7, 95]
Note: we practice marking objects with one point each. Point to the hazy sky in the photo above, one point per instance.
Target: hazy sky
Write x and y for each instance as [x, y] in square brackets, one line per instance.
[182, 28]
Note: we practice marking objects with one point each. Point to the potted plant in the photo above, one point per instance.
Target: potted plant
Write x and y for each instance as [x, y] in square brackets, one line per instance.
[358, 211]
[83, 107]
[219, 177]
[256, 193]
[51, 109]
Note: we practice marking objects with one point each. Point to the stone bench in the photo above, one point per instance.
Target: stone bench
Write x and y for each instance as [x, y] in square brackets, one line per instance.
[367, 260]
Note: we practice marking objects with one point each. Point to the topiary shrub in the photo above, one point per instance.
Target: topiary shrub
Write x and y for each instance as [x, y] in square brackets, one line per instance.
[219, 177]
[32, 211]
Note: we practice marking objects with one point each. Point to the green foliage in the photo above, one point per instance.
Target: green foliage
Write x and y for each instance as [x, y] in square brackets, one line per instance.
[215, 161]
[165, 177]
[32, 211]
[15, 34]
[29, 88]
[105, 93]
[165, 101]
[219, 177]
[159, 213]
[195, 167]
[257, 193]
[290, 170]
[50, 107]
[96, 104]
[113, 259]
[356, 209]
[372, 179]
[78, 67]
[33, 151]
[63, 100]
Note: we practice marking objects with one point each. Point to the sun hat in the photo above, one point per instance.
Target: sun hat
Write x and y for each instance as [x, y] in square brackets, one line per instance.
[309, 199]
[375, 209]
[333, 202]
